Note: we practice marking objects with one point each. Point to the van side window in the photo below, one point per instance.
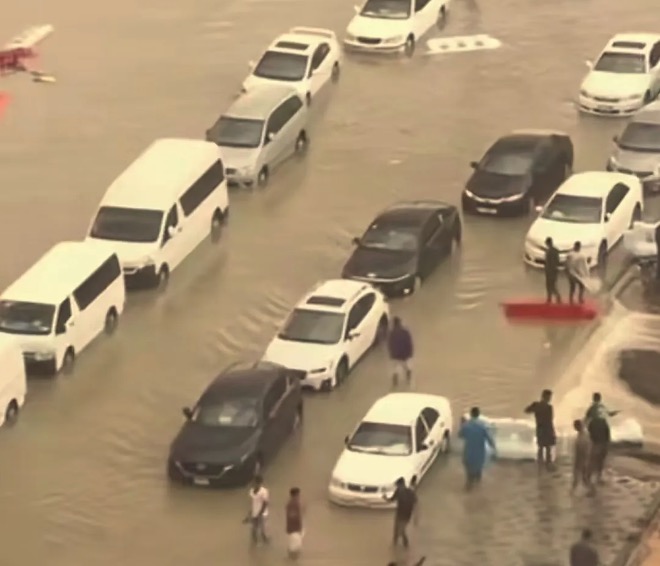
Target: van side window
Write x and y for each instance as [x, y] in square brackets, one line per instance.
[97, 282]
[202, 188]
[63, 316]
[172, 221]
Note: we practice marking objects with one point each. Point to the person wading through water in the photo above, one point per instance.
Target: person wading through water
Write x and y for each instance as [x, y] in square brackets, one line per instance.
[294, 523]
[400, 346]
[600, 434]
[475, 436]
[581, 455]
[551, 271]
[546, 438]
[258, 511]
[406, 502]
[577, 271]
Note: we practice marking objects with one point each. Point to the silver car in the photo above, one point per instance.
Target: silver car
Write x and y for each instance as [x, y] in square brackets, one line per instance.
[261, 129]
[637, 149]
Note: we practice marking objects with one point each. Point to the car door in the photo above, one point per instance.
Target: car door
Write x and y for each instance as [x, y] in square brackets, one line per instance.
[544, 174]
[435, 426]
[275, 143]
[617, 216]
[66, 331]
[173, 246]
[320, 68]
[273, 418]
[291, 129]
[360, 326]
[423, 453]
[432, 245]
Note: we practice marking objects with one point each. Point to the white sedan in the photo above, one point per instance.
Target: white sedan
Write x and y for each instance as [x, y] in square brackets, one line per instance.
[625, 76]
[329, 330]
[399, 437]
[305, 58]
[392, 26]
[594, 208]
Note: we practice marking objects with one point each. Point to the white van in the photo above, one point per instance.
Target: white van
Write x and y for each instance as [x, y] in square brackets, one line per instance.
[162, 207]
[13, 383]
[64, 301]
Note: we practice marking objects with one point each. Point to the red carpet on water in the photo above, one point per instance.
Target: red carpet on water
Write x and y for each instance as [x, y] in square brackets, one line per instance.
[539, 309]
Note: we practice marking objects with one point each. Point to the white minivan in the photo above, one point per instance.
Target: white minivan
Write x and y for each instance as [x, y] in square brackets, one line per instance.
[13, 383]
[57, 307]
[162, 207]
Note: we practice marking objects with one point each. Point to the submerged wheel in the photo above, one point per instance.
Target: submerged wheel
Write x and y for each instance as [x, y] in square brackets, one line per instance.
[11, 412]
[301, 142]
[445, 446]
[262, 178]
[111, 321]
[381, 331]
[308, 98]
[636, 216]
[163, 278]
[409, 47]
[217, 221]
[341, 373]
[69, 361]
[336, 71]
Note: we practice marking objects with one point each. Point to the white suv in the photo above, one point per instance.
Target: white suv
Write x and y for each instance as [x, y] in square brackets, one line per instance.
[329, 330]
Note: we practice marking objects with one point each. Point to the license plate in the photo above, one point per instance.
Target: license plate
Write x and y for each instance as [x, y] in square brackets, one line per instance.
[200, 481]
[486, 210]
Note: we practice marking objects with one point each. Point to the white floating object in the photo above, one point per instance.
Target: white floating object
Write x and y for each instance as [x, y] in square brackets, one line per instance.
[30, 37]
[463, 43]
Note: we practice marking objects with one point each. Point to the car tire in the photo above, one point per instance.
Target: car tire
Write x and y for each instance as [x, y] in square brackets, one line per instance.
[69, 361]
[415, 286]
[381, 330]
[602, 259]
[111, 321]
[636, 215]
[217, 221]
[336, 72]
[11, 413]
[262, 178]
[409, 47]
[297, 419]
[301, 143]
[445, 446]
[257, 466]
[308, 99]
[458, 234]
[648, 97]
[341, 373]
[173, 473]
[163, 277]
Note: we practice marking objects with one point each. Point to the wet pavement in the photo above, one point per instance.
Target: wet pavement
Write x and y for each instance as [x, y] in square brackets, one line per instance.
[83, 474]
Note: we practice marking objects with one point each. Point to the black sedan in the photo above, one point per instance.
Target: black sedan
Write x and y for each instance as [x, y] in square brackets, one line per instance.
[518, 173]
[237, 426]
[403, 245]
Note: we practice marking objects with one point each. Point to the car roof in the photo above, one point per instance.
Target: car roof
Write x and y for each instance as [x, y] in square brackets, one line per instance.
[243, 379]
[625, 42]
[160, 173]
[402, 408]
[56, 274]
[649, 114]
[593, 183]
[302, 40]
[259, 103]
[413, 212]
[531, 138]
[333, 295]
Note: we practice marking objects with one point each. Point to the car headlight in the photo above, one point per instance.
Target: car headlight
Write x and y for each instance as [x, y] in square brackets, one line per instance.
[585, 93]
[336, 482]
[44, 355]
[395, 39]
[514, 198]
[469, 194]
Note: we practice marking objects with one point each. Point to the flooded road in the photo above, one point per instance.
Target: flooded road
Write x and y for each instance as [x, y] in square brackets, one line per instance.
[82, 478]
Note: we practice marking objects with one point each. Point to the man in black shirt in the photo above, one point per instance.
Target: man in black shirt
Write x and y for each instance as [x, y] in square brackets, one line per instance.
[406, 501]
[583, 553]
[551, 271]
[546, 437]
[599, 432]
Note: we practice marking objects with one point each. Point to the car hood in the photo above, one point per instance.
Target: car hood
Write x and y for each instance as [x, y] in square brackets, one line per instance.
[615, 84]
[239, 157]
[376, 27]
[374, 262]
[638, 161]
[371, 469]
[493, 185]
[131, 253]
[211, 444]
[564, 234]
[299, 355]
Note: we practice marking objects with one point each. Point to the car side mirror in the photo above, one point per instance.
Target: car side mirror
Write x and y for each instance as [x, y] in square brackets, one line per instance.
[356, 241]
[589, 64]
[423, 447]
[357, 9]
[474, 164]
[538, 208]
[346, 439]
[352, 335]
[187, 412]
[271, 136]
[172, 231]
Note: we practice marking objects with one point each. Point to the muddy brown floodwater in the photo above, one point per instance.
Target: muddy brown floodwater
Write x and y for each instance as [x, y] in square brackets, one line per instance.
[82, 478]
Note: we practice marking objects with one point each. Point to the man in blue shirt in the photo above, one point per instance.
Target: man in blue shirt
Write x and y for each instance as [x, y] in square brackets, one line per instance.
[475, 435]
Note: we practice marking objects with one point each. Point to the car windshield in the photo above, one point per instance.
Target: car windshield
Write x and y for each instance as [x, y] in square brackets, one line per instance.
[237, 132]
[387, 9]
[625, 63]
[394, 238]
[236, 412]
[127, 224]
[280, 66]
[315, 327]
[578, 210]
[512, 163]
[639, 136]
[381, 438]
[17, 317]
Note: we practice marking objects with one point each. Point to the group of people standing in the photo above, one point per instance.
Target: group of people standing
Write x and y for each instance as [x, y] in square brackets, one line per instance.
[577, 271]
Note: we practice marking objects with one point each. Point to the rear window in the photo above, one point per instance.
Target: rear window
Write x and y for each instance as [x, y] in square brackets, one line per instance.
[127, 224]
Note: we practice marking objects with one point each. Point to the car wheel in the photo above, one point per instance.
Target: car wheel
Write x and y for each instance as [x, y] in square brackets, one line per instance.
[262, 178]
[257, 466]
[409, 47]
[381, 331]
[308, 98]
[173, 472]
[648, 97]
[458, 234]
[301, 142]
[297, 418]
[415, 285]
[11, 413]
[69, 361]
[336, 71]
[637, 215]
[163, 278]
[341, 373]
[111, 321]
[445, 446]
[217, 220]
[602, 259]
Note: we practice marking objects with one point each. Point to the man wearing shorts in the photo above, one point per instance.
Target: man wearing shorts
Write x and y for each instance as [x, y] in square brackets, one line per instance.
[546, 438]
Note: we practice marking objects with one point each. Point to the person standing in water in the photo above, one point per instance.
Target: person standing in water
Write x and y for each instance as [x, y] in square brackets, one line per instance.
[294, 523]
[400, 346]
[577, 270]
[406, 501]
[476, 436]
[551, 271]
[259, 500]
[581, 455]
[546, 438]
